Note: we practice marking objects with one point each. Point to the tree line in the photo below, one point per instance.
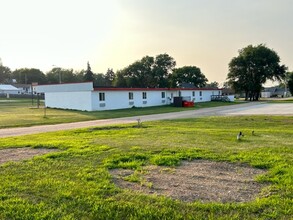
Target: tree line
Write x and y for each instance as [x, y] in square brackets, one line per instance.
[148, 72]
[248, 72]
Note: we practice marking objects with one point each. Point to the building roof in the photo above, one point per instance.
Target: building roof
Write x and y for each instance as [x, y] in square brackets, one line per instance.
[8, 87]
[150, 89]
[88, 86]
[17, 85]
[274, 89]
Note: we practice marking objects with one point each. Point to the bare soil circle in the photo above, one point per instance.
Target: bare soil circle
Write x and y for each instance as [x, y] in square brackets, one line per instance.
[19, 154]
[199, 180]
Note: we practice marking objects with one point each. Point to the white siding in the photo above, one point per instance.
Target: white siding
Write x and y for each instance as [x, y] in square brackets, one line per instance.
[82, 96]
[120, 99]
[265, 94]
[69, 100]
[8, 89]
[231, 98]
[67, 87]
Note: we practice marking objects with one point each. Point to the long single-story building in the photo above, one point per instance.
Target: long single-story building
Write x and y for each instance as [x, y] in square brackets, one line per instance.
[83, 96]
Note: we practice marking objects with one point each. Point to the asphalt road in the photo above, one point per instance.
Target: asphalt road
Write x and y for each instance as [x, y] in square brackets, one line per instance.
[242, 109]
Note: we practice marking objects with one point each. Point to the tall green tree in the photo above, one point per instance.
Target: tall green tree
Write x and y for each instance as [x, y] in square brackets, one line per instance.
[100, 80]
[5, 74]
[212, 85]
[120, 80]
[89, 75]
[162, 70]
[60, 75]
[252, 68]
[148, 72]
[188, 74]
[29, 75]
[109, 77]
[290, 82]
[138, 74]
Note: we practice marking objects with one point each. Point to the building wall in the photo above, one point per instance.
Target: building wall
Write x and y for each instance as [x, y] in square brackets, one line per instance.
[265, 94]
[231, 98]
[9, 92]
[67, 87]
[120, 99]
[198, 95]
[69, 100]
[82, 96]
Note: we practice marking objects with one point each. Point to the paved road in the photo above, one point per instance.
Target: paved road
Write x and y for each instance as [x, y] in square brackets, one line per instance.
[243, 109]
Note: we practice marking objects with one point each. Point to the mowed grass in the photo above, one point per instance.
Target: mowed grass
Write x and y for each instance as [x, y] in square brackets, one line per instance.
[23, 113]
[75, 182]
[287, 100]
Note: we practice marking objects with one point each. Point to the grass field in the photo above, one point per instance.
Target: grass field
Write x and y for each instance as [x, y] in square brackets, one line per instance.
[75, 183]
[19, 113]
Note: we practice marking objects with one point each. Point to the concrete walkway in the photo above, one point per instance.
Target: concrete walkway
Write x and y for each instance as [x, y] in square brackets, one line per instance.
[242, 109]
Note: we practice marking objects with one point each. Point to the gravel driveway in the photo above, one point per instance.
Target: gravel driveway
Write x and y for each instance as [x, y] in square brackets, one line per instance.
[242, 109]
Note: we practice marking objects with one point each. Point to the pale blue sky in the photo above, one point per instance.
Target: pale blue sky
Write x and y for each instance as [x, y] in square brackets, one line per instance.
[115, 33]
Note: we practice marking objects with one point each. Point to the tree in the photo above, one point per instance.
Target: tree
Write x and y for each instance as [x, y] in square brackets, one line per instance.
[290, 82]
[138, 74]
[252, 68]
[60, 75]
[212, 85]
[109, 77]
[100, 80]
[120, 80]
[149, 72]
[28, 76]
[188, 74]
[162, 70]
[89, 75]
[5, 74]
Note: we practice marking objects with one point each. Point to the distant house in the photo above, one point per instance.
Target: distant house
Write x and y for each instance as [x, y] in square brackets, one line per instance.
[23, 88]
[8, 89]
[83, 96]
[274, 92]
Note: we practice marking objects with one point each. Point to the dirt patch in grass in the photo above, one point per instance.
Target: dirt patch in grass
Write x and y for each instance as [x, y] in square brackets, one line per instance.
[199, 180]
[18, 154]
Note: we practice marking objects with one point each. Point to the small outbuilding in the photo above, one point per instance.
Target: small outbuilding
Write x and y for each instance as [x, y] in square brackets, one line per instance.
[83, 96]
[8, 89]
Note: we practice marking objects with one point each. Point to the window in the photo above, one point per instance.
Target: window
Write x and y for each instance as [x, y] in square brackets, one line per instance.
[200, 93]
[102, 96]
[144, 95]
[193, 93]
[179, 93]
[130, 95]
[163, 95]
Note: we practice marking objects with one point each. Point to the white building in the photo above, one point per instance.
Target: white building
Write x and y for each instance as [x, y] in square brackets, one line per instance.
[83, 96]
[8, 89]
[23, 88]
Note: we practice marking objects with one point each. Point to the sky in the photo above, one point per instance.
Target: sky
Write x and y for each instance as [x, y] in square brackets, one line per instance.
[44, 34]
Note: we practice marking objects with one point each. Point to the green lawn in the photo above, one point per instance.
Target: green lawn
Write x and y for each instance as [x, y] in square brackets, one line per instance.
[290, 100]
[75, 183]
[19, 113]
